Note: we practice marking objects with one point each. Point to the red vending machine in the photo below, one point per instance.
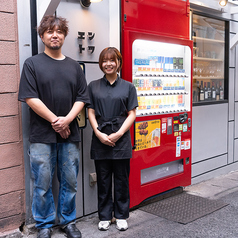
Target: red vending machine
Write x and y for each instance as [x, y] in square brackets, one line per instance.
[157, 57]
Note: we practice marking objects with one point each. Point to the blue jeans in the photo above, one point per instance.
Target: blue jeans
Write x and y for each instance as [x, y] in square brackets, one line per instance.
[43, 158]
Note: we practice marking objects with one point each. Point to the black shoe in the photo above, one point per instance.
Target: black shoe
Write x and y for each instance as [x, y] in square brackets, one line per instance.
[72, 231]
[44, 233]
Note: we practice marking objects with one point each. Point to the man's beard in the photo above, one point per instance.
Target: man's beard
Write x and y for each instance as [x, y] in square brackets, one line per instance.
[56, 47]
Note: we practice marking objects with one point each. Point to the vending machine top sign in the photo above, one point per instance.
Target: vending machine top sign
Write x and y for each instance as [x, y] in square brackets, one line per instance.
[165, 17]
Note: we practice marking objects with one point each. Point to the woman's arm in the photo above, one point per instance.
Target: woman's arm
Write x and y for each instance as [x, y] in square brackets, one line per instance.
[125, 126]
[101, 136]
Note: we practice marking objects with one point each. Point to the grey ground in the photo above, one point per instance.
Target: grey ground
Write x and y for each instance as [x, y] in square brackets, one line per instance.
[219, 224]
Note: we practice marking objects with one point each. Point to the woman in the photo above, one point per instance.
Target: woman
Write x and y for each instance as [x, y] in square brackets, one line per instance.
[111, 114]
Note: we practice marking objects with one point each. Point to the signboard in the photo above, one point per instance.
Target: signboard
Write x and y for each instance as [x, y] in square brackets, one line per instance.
[147, 134]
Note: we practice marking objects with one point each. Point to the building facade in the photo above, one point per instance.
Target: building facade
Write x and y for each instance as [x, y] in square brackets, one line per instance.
[215, 127]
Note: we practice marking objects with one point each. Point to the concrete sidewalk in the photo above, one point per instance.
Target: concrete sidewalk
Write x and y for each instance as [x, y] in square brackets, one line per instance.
[221, 223]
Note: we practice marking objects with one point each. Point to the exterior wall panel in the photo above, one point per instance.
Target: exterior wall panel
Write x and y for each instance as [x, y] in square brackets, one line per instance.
[12, 189]
[209, 165]
[7, 23]
[231, 94]
[231, 142]
[210, 128]
[232, 55]
[8, 52]
[9, 78]
[8, 6]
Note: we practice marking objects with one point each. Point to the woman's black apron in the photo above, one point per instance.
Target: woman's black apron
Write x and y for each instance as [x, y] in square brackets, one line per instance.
[123, 147]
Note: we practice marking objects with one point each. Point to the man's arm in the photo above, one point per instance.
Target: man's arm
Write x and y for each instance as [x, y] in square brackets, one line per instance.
[61, 123]
[43, 111]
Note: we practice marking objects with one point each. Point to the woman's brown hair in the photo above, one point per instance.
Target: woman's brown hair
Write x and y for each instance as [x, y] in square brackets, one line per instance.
[111, 53]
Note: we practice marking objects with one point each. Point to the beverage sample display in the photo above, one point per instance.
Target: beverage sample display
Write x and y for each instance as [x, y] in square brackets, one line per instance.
[161, 77]
[213, 91]
[205, 92]
[201, 92]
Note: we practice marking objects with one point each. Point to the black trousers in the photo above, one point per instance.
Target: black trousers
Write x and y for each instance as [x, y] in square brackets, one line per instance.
[120, 169]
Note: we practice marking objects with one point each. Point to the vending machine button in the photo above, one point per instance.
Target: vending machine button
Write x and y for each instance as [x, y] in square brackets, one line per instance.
[176, 127]
[189, 122]
[185, 116]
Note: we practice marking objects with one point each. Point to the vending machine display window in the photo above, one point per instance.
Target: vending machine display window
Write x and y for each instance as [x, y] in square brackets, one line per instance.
[161, 75]
[209, 60]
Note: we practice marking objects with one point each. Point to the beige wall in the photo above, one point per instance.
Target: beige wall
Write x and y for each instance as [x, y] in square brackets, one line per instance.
[12, 190]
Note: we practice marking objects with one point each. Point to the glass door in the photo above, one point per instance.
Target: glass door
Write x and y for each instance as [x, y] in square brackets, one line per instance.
[208, 59]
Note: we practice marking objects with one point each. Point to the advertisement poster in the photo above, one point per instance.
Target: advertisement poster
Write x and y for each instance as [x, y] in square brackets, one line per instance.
[147, 134]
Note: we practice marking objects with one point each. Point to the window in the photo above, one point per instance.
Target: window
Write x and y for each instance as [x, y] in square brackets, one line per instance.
[209, 60]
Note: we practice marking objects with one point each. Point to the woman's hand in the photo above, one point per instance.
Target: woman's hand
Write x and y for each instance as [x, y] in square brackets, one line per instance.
[114, 137]
[104, 138]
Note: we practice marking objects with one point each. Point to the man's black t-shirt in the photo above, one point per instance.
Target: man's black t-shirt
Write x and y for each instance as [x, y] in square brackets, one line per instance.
[58, 84]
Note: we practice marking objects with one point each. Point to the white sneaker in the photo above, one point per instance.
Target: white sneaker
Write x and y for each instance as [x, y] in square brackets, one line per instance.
[121, 224]
[104, 225]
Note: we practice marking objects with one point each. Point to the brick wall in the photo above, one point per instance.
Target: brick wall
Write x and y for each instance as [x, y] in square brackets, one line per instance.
[12, 190]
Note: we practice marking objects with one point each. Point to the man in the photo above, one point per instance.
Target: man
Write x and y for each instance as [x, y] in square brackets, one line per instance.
[55, 89]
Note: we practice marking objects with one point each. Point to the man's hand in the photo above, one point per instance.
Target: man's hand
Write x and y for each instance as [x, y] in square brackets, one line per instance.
[60, 124]
[65, 133]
